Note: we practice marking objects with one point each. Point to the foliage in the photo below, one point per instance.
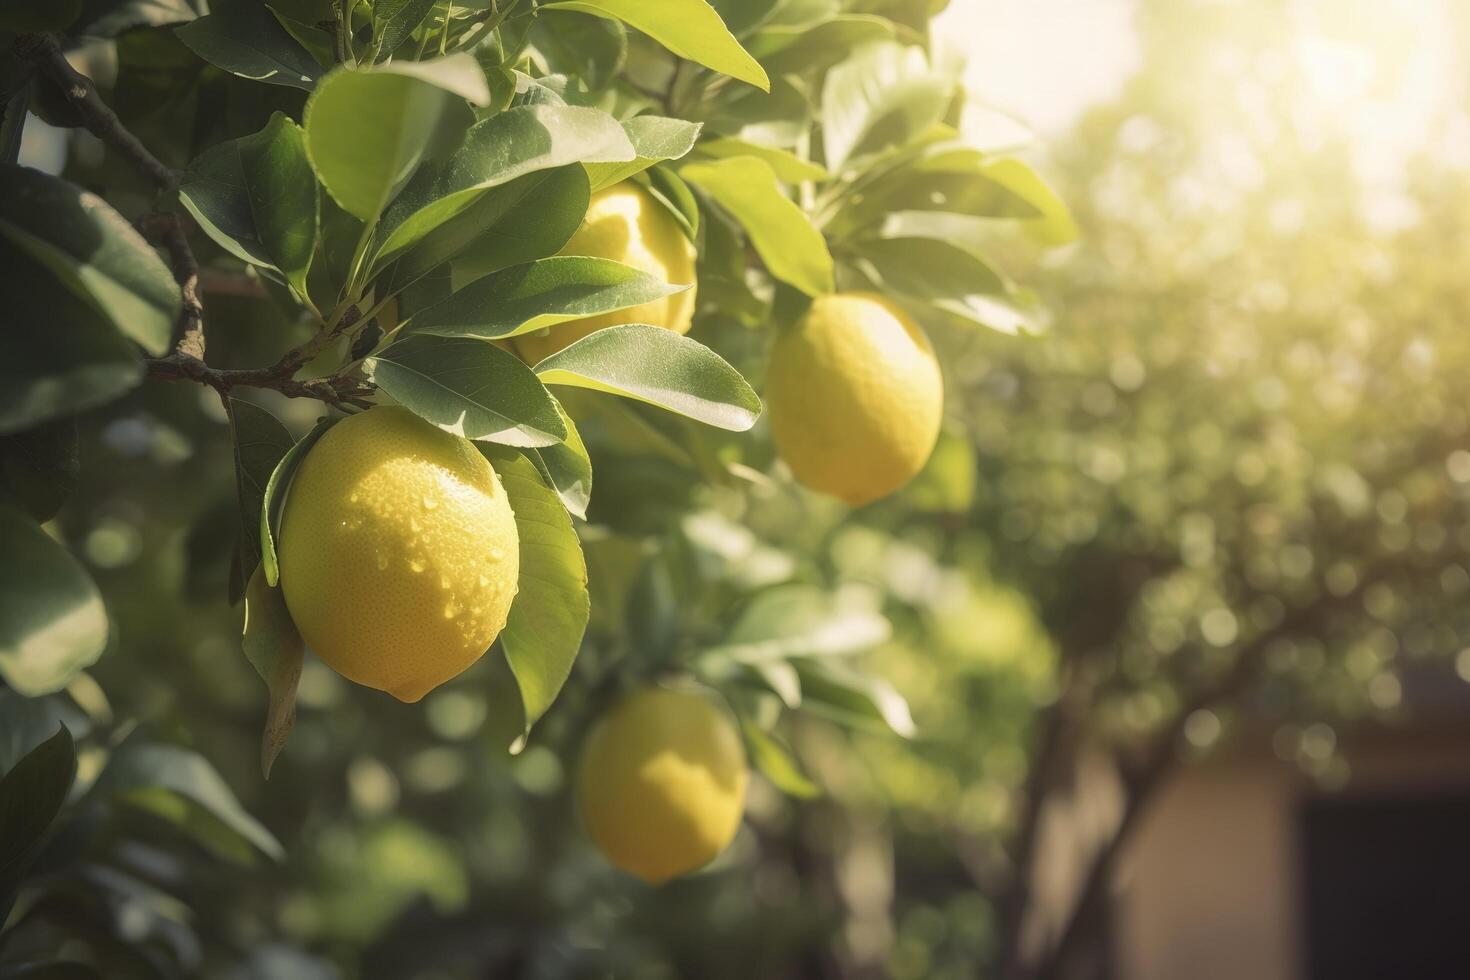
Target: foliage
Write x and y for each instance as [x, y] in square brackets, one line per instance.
[370, 198]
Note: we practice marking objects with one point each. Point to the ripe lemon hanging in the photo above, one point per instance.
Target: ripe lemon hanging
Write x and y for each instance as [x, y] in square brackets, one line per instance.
[398, 552]
[626, 224]
[855, 397]
[662, 783]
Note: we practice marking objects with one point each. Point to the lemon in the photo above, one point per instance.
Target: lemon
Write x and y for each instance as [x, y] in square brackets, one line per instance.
[626, 224]
[398, 552]
[662, 783]
[855, 397]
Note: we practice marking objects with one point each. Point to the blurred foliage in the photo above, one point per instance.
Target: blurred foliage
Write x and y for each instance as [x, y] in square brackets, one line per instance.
[1249, 414]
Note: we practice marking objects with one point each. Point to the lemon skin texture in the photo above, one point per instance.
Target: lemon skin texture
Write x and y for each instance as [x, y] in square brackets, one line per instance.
[398, 552]
[855, 397]
[662, 783]
[626, 224]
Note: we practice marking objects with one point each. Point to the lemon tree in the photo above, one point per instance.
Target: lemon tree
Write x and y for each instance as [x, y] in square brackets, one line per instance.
[380, 286]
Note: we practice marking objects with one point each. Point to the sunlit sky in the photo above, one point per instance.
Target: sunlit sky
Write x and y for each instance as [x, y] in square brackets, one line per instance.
[1384, 73]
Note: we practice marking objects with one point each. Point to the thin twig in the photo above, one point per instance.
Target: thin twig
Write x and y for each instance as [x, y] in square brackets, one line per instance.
[45, 54]
[170, 230]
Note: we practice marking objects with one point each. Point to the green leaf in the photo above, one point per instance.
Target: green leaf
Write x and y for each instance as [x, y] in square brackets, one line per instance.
[931, 269]
[257, 198]
[801, 621]
[775, 762]
[883, 95]
[583, 46]
[529, 218]
[781, 118]
[261, 442]
[275, 649]
[274, 501]
[566, 467]
[654, 139]
[470, 388]
[40, 467]
[852, 697]
[31, 795]
[549, 616]
[689, 28]
[787, 166]
[657, 366]
[801, 48]
[538, 295]
[793, 250]
[1054, 226]
[368, 130]
[180, 785]
[396, 20]
[245, 39]
[58, 356]
[92, 250]
[52, 622]
[669, 190]
[496, 151]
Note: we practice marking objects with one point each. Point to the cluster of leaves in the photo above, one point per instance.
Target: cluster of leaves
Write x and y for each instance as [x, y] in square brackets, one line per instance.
[399, 178]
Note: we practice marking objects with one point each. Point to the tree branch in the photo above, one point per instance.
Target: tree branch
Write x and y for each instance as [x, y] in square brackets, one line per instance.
[42, 51]
[170, 229]
[1159, 760]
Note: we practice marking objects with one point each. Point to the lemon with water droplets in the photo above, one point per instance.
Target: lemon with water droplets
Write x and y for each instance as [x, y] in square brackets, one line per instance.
[624, 223]
[855, 397]
[398, 552]
[662, 782]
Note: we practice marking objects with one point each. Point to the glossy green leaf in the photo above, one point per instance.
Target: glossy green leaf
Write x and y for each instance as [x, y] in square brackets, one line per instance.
[274, 500]
[549, 616]
[274, 648]
[245, 39]
[787, 166]
[52, 622]
[657, 366]
[40, 467]
[798, 48]
[670, 191]
[257, 198]
[689, 28]
[508, 145]
[261, 442]
[566, 467]
[792, 249]
[529, 218]
[31, 795]
[881, 96]
[1054, 226]
[180, 785]
[931, 269]
[654, 139]
[92, 250]
[540, 294]
[367, 130]
[468, 387]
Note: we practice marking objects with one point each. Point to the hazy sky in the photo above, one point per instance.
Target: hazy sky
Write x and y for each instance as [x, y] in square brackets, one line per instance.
[1043, 61]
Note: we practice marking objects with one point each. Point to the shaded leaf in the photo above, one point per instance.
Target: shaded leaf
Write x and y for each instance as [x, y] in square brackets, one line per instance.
[52, 622]
[261, 442]
[31, 795]
[274, 501]
[540, 294]
[775, 762]
[245, 39]
[787, 166]
[91, 250]
[654, 139]
[801, 621]
[566, 467]
[40, 467]
[275, 649]
[883, 95]
[847, 695]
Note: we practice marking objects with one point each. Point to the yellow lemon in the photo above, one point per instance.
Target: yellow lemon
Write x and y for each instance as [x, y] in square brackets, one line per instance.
[855, 397]
[399, 553]
[662, 783]
[626, 224]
